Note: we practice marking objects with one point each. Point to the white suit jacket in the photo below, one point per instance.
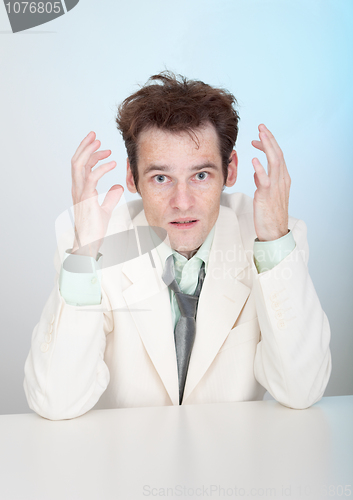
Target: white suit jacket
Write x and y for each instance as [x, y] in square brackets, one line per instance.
[253, 331]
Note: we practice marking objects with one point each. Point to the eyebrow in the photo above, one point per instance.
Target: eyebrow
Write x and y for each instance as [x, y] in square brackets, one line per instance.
[166, 168]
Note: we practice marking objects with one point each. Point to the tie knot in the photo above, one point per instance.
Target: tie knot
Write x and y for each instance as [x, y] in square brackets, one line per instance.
[169, 278]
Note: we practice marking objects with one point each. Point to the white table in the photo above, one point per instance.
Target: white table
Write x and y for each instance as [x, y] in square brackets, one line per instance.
[233, 450]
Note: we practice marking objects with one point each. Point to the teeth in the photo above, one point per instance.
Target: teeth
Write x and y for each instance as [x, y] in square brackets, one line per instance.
[185, 222]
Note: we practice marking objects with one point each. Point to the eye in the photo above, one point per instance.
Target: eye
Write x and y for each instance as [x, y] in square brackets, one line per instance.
[160, 179]
[201, 176]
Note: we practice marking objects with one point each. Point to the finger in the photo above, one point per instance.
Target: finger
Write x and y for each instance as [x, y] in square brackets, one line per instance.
[96, 157]
[112, 198]
[87, 140]
[258, 145]
[94, 177]
[257, 183]
[77, 171]
[265, 145]
[273, 159]
[263, 180]
[85, 154]
[263, 128]
[287, 180]
[283, 171]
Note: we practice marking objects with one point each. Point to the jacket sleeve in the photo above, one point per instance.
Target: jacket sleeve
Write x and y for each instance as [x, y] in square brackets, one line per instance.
[65, 372]
[292, 360]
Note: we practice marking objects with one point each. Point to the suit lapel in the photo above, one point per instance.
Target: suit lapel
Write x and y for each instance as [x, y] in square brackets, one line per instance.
[222, 297]
[148, 301]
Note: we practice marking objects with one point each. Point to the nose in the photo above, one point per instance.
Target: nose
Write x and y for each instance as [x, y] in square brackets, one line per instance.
[182, 198]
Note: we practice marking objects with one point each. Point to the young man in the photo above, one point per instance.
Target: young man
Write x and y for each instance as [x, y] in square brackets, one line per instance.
[126, 335]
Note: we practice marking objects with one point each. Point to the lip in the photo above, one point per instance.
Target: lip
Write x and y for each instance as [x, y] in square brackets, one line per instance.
[185, 225]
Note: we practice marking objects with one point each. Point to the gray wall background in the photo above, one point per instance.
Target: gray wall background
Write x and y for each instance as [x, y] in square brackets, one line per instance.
[289, 65]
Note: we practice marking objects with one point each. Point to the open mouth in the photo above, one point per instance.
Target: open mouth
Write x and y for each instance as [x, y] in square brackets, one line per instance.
[184, 223]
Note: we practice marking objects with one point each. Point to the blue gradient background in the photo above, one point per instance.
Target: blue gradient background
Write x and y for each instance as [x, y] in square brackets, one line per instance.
[288, 63]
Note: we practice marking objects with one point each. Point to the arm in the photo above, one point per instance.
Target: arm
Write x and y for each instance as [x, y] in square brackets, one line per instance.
[293, 360]
[65, 373]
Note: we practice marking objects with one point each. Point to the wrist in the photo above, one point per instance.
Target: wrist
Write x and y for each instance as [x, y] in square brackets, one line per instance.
[86, 251]
[272, 237]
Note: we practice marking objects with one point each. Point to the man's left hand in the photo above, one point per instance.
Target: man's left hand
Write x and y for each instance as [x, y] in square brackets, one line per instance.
[272, 194]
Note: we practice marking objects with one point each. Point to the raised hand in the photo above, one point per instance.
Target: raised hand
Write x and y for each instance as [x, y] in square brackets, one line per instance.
[272, 194]
[91, 219]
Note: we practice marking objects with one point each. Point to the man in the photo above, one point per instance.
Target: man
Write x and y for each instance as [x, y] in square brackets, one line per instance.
[123, 334]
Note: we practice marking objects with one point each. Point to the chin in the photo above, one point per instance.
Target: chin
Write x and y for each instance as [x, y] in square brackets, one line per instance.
[189, 241]
[183, 246]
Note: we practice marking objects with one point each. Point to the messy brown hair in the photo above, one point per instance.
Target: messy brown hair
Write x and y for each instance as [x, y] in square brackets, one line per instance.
[177, 104]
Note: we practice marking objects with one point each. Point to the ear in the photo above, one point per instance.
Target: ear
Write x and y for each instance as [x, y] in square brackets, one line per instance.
[232, 169]
[130, 184]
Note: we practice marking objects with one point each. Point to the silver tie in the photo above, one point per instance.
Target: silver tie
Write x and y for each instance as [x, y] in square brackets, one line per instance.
[185, 329]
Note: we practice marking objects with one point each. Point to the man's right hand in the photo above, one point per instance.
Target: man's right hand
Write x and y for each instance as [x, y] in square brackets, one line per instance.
[91, 219]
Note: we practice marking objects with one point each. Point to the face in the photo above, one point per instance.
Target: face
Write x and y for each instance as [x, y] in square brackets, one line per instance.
[181, 184]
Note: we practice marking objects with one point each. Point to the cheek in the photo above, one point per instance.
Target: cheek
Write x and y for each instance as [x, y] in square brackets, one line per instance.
[211, 204]
[210, 198]
[154, 203]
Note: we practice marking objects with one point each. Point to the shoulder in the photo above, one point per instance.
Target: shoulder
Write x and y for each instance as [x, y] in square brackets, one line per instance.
[123, 215]
[240, 203]
[242, 207]
[134, 207]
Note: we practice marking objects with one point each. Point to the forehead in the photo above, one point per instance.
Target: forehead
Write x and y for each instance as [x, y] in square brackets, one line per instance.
[156, 146]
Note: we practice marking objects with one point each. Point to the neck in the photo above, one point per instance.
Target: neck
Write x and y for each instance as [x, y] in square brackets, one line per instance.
[189, 254]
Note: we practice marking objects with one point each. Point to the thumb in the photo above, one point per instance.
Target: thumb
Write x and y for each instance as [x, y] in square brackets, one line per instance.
[256, 179]
[112, 198]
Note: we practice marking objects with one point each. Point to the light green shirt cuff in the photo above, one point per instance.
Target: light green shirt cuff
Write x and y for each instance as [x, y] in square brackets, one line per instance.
[80, 280]
[268, 254]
